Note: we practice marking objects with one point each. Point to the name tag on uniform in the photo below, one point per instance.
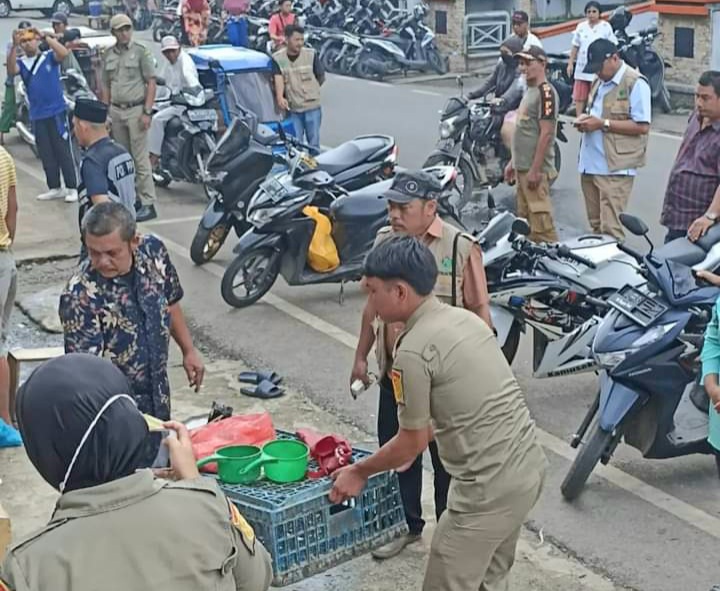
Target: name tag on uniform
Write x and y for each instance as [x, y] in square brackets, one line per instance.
[396, 379]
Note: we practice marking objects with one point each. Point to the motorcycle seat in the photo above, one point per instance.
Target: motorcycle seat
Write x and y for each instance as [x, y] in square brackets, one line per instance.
[349, 154]
[358, 208]
[680, 250]
[266, 136]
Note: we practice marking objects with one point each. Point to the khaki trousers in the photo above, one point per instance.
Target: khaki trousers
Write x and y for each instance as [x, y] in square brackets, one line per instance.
[534, 205]
[606, 197]
[471, 551]
[128, 131]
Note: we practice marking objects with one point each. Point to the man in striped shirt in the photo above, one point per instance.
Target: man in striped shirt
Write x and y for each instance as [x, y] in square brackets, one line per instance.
[9, 436]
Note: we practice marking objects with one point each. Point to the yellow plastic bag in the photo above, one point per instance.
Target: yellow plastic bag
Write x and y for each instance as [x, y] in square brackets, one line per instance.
[322, 253]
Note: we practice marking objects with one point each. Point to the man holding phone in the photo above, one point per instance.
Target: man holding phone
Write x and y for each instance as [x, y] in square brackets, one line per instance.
[40, 73]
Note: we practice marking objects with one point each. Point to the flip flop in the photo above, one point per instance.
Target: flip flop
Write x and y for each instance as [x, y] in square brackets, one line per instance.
[265, 389]
[255, 377]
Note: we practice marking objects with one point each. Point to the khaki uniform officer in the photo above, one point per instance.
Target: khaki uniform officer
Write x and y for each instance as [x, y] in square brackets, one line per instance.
[128, 77]
[412, 202]
[116, 525]
[451, 381]
[533, 162]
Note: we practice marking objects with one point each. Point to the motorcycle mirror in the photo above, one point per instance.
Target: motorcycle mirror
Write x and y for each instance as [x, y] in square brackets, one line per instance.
[521, 227]
[634, 224]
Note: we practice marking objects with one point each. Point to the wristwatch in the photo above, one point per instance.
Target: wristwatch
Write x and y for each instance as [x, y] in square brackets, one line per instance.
[147, 112]
[711, 216]
[606, 125]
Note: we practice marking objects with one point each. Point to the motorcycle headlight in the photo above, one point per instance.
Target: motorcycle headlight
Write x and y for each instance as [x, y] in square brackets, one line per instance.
[447, 128]
[612, 359]
[262, 216]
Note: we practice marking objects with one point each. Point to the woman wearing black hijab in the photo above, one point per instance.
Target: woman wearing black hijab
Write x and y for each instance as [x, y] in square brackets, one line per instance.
[115, 526]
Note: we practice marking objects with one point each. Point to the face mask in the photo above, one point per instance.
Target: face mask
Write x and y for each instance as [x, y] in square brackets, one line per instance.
[85, 437]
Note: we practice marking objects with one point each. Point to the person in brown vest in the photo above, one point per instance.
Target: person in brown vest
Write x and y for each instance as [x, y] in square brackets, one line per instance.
[412, 204]
[298, 77]
[615, 130]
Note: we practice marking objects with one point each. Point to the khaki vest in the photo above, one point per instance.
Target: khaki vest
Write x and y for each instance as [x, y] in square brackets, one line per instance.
[302, 89]
[621, 151]
[442, 249]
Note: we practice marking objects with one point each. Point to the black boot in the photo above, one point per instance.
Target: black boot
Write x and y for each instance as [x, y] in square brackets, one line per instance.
[145, 213]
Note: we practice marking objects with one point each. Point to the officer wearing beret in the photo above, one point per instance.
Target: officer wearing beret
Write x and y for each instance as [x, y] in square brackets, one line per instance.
[107, 171]
[452, 383]
[412, 205]
[128, 79]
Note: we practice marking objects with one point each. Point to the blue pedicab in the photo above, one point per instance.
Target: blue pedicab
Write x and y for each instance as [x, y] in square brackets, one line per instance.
[240, 77]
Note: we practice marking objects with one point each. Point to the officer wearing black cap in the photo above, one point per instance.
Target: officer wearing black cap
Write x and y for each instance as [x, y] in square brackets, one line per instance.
[107, 171]
[412, 205]
[615, 128]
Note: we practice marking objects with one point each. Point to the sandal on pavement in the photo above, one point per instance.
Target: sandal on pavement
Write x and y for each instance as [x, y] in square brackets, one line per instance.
[265, 389]
[255, 377]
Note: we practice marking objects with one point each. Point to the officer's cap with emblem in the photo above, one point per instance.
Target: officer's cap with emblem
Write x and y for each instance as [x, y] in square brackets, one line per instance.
[119, 21]
[90, 110]
[418, 184]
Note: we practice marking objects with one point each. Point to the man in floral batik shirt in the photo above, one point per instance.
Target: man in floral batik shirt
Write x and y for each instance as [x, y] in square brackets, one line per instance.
[123, 303]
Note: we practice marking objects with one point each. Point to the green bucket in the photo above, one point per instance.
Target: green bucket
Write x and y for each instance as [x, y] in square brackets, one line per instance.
[234, 463]
[283, 460]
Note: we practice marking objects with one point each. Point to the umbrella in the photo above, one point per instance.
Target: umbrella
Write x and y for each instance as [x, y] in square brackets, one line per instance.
[9, 108]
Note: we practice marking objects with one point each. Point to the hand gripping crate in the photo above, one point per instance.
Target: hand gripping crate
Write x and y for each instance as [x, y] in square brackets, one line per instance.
[305, 534]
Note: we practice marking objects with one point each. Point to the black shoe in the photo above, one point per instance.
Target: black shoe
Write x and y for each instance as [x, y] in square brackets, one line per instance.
[145, 213]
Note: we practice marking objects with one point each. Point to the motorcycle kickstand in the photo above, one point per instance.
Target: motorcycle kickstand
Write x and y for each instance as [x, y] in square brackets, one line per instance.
[341, 295]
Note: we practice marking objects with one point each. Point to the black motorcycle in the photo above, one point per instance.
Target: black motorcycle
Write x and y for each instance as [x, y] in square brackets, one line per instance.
[166, 23]
[470, 141]
[242, 160]
[637, 51]
[648, 349]
[557, 76]
[278, 242]
[189, 137]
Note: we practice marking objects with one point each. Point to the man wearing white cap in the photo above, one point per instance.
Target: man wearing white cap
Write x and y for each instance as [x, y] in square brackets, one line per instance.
[180, 74]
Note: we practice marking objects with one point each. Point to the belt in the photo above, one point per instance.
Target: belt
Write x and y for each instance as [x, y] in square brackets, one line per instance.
[128, 105]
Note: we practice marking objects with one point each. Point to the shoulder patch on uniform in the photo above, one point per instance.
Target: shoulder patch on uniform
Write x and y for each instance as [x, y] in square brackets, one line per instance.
[548, 101]
[397, 384]
[247, 533]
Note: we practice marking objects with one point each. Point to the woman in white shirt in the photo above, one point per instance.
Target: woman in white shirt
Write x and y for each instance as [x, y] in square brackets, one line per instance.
[585, 33]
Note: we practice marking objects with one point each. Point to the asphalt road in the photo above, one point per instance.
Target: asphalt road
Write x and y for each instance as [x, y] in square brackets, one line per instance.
[652, 526]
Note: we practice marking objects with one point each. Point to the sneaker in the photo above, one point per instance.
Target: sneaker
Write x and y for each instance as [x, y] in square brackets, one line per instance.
[9, 435]
[395, 547]
[71, 196]
[51, 194]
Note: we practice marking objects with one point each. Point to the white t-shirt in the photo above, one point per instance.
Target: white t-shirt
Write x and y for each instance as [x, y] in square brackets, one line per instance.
[530, 41]
[181, 74]
[583, 36]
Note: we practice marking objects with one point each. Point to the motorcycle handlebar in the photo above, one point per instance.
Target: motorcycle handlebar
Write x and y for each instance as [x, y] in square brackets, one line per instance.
[564, 251]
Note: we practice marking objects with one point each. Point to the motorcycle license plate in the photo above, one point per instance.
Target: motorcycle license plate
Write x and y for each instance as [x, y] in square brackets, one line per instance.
[637, 305]
[202, 115]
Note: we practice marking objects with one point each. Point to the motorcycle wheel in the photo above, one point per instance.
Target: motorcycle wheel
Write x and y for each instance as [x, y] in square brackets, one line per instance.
[5, 8]
[512, 342]
[328, 58]
[437, 61]
[587, 458]
[257, 274]
[465, 179]
[206, 243]
[363, 69]
[64, 6]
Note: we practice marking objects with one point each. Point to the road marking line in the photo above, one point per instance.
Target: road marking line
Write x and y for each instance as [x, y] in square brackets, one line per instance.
[426, 92]
[162, 222]
[376, 83]
[660, 499]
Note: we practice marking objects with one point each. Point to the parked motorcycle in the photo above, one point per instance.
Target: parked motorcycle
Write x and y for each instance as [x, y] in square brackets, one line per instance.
[189, 138]
[558, 290]
[557, 76]
[647, 348]
[242, 160]
[166, 23]
[278, 242]
[637, 51]
[470, 140]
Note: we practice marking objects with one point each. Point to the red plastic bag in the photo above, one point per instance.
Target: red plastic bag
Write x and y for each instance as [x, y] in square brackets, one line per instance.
[253, 429]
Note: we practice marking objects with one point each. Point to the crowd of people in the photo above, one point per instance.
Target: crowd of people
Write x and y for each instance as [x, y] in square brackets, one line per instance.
[445, 383]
